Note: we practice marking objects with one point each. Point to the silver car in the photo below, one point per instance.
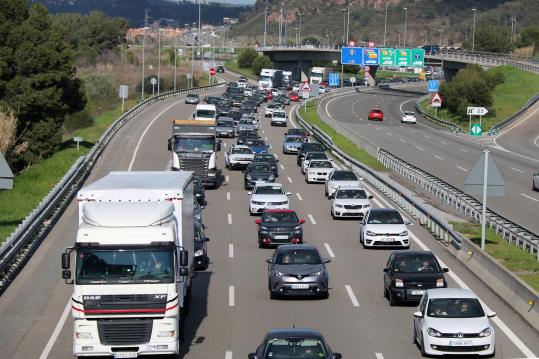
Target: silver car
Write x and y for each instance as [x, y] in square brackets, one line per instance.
[297, 269]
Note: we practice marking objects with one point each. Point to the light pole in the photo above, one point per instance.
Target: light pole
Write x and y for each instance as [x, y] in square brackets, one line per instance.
[405, 20]
[425, 41]
[473, 31]
[265, 23]
[296, 38]
[175, 58]
[143, 45]
[440, 31]
[299, 31]
[280, 24]
[159, 59]
[348, 23]
[343, 26]
[285, 30]
[385, 27]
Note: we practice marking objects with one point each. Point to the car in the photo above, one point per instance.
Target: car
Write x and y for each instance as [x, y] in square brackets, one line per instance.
[247, 134]
[192, 98]
[273, 106]
[339, 178]
[279, 226]
[282, 99]
[308, 147]
[350, 201]
[225, 127]
[275, 92]
[408, 117]
[197, 211]
[294, 343]
[248, 92]
[453, 321]
[299, 132]
[292, 143]
[252, 103]
[257, 145]
[268, 158]
[297, 269]
[235, 115]
[238, 156]
[237, 100]
[247, 109]
[376, 114]
[258, 172]
[234, 90]
[384, 227]
[201, 259]
[242, 83]
[408, 274]
[293, 96]
[199, 191]
[253, 119]
[278, 118]
[535, 181]
[245, 124]
[295, 88]
[318, 171]
[322, 89]
[221, 69]
[312, 156]
[269, 95]
[268, 196]
[211, 100]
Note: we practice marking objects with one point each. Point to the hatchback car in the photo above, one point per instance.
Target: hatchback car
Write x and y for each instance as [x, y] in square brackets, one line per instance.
[278, 118]
[453, 321]
[318, 171]
[308, 147]
[297, 269]
[268, 196]
[340, 178]
[294, 343]
[408, 117]
[192, 98]
[246, 135]
[376, 115]
[383, 227]
[311, 156]
[278, 226]
[293, 96]
[408, 275]
[292, 144]
[298, 132]
[268, 158]
[258, 172]
[350, 201]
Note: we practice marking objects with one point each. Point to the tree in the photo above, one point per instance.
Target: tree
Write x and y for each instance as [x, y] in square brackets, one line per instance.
[246, 57]
[261, 62]
[493, 38]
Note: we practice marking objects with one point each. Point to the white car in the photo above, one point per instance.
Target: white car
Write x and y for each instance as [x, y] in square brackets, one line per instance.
[408, 117]
[268, 196]
[309, 156]
[340, 178]
[295, 88]
[384, 227]
[247, 92]
[278, 118]
[242, 83]
[350, 202]
[252, 118]
[453, 321]
[275, 92]
[318, 171]
[272, 107]
[238, 156]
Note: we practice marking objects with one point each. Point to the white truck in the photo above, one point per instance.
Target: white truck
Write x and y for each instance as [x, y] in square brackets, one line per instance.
[270, 78]
[319, 74]
[287, 78]
[134, 264]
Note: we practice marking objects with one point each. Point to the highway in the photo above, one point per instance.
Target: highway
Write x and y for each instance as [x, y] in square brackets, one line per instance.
[447, 156]
[231, 309]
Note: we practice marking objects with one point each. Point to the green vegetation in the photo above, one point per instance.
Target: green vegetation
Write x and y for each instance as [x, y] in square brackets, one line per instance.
[233, 65]
[521, 263]
[349, 147]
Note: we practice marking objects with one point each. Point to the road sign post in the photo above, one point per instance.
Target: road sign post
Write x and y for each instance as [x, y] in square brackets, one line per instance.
[153, 81]
[123, 94]
[436, 101]
[77, 139]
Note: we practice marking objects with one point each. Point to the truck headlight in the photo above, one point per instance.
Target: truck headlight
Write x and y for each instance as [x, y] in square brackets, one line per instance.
[83, 335]
[166, 334]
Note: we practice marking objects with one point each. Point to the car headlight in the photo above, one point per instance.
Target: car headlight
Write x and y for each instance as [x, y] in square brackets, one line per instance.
[248, 177]
[316, 274]
[271, 178]
[366, 206]
[399, 283]
[370, 233]
[433, 332]
[257, 203]
[278, 274]
[485, 332]
[339, 206]
[199, 253]
[403, 233]
[297, 228]
[440, 283]
[262, 228]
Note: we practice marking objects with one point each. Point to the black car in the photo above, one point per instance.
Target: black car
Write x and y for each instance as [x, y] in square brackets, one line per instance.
[211, 100]
[294, 343]
[408, 274]
[234, 90]
[308, 147]
[253, 105]
[235, 115]
[257, 172]
[225, 127]
[201, 260]
[221, 69]
[269, 158]
[244, 135]
[199, 191]
[279, 226]
[246, 110]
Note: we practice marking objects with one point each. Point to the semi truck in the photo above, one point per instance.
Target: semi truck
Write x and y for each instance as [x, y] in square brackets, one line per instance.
[270, 78]
[287, 78]
[193, 147]
[319, 74]
[134, 254]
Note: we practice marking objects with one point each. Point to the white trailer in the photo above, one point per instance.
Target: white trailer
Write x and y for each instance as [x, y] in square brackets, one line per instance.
[134, 264]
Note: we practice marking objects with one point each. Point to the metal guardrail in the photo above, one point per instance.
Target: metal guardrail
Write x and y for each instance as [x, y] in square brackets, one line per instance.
[22, 243]
[438, 227]
[439, 122]
[498, 127]
[462, 202]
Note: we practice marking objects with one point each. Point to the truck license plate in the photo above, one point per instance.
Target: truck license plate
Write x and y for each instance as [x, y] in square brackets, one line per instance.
[299, 286]
[119, 355]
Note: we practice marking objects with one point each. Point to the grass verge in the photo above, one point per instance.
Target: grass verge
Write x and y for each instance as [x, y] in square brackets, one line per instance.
[346, 145]
[521, 263]
[233, 65]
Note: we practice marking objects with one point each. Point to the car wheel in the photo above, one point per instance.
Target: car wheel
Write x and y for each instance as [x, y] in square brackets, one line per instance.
[325, 295]
[251, 213]
[422, 348]
[392, 300]
[414, 338]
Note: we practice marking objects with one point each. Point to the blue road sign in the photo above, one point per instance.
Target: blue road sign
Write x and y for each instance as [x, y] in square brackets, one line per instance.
[371, 56]
[334, 79]
[432, 85]
[351, 55]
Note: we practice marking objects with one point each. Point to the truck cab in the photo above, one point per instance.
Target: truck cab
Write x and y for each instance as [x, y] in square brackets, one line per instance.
[205, 112]
[319, 75]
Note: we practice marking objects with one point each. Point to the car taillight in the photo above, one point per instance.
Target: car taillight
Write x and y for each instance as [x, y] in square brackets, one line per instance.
[266, 240]
[295, 240]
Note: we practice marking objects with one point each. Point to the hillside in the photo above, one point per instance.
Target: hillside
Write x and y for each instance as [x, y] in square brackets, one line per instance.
[324, 19]
[166, 12]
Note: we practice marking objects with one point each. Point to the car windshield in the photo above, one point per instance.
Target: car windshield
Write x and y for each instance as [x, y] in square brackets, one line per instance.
[320, 164]
[279, 114]
[276, 217]
[265, 78]
[294, 139]
[297, 131]
[291, 348]
[259, 167]
[125, 265]
[385, 217]
[192, 95]
[274, 105]
[269, 190]
[243, 151]
[416, 264]
[455, 308]
[256, 143]
[344, 176]
[316, 156]
[204, 144]
[264, 158]
[225, 124]
[248, 133]
[298, 256]
[351, 194]
[311, 147]
[409, 113]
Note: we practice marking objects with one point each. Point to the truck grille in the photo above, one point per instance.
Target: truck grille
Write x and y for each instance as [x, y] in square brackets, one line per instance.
[199, 165]
[124, 332]
[125, 302]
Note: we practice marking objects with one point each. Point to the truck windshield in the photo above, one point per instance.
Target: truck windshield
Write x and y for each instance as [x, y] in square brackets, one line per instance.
[205, 114]
[316, 74]
[265, 78]
[124, 265]
[204, 144]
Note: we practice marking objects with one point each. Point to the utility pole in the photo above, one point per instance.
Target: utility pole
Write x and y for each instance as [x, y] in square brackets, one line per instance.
[348, 23]
[473, 32]
[143, 46]
[299, 31]
[265, 23]
[175, 58]
[405, 20]
[385, 27]
[344, 27]
[158, 59]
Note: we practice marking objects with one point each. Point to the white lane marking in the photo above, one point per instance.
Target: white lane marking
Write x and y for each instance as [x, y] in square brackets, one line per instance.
[228, 354]
[400, 107]
[330, 251]
[311, 218]
[228, 196]
[299, 196]
[230, 250]
[517, 170]
[438, 157]
[282, 167]
[46, 351]
[379, 356]
[418, 148]
[224, 144]
[229, 218]
[289, 179]
[336, 166]
[227, 179]
[265, 138]
[230, 295]
[352, 296]
[389, 134]
[536, 141]
[463, 150]
[427, 136]
[462, 168]
[277, 157]
[144, 134]
[402, 140]
[534, 199]
[443, 143]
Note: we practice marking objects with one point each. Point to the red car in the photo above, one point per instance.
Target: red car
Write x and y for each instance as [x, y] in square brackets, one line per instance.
[269, 95]
[293, 96]
[376, 115]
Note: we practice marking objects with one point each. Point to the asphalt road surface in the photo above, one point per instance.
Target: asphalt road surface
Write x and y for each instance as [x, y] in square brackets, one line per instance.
[231, 309]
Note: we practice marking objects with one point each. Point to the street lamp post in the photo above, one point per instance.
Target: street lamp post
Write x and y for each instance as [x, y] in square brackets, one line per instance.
[385, 27]
[143, 46]
[265, 23]
[296, 38]
[348, 23]
[405, 21]
[159, 60]
[299, 31]
[175, 58]
[473, 31]
[344, 26]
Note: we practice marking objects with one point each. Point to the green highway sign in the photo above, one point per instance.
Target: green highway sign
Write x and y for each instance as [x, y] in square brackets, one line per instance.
[418, 57]
[387, 57]
[403, 57]
[476, 130]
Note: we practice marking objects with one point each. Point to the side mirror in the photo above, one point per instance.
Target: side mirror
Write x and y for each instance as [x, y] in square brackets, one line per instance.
[269, 261]
[206, 239]
[198, 195]
[371, 196]
[251, 356]
[66, 261]
[66, 274]
[184, 258]
[258, 221]
[288, 193]
[337, 356]
[170, 140]
[407, 223]
[445, 270]
[418, 315]
[386, 270]
[250, 193]
[301, 221]
[491, 314]
[326, 260]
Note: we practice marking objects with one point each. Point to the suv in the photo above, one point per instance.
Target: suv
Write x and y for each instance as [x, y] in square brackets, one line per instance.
[238, 156]
[350, 201]
[308, 147]
[274, 106]
[258, 172]
[384, 227]
[244, 135]
[279, 226]
[192, 99]
[221, 69]
[225, 127]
